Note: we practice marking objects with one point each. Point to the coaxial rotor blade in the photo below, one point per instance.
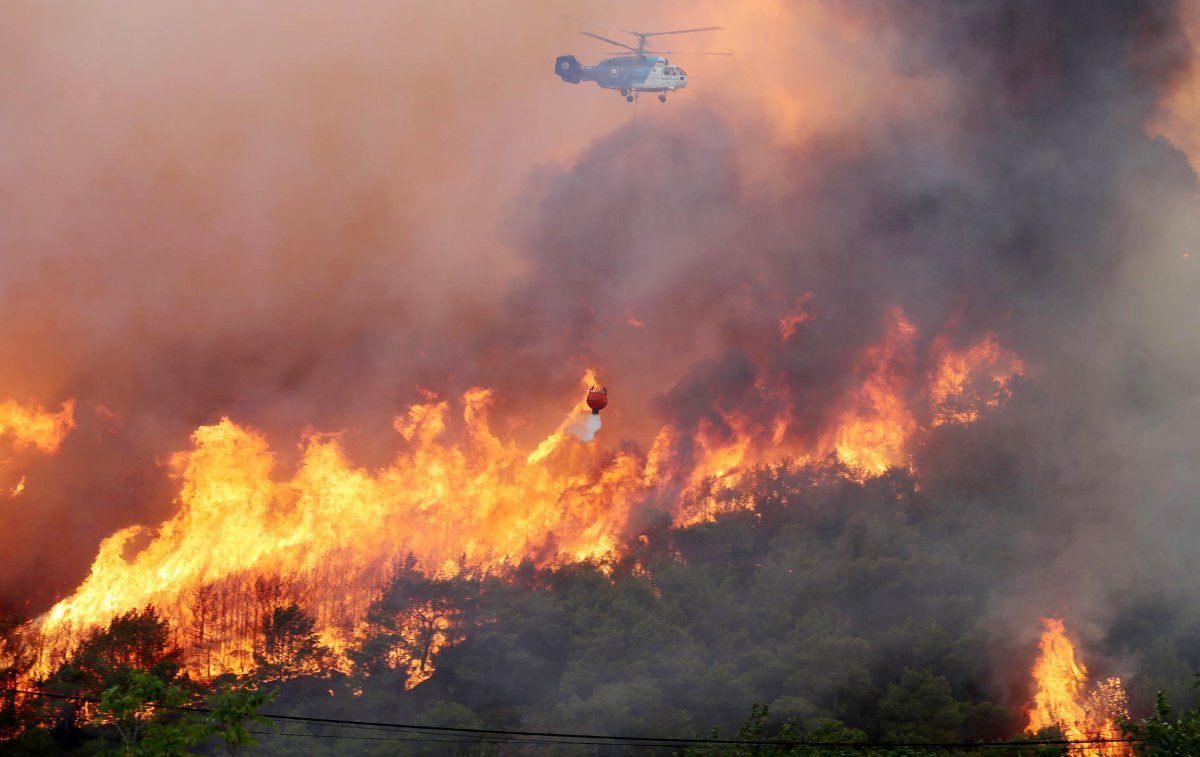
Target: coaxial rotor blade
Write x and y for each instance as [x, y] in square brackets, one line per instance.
[610, 41]
[592, 23]
[680, 52]
[677, 31]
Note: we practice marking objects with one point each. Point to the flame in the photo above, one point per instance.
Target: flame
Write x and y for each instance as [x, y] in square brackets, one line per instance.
[555, 440]
[789, 322]
[247, 537]
[873, 431]
[1063, 699]
[333, 531]
[26, 427]
[35, 427]
[959, 372]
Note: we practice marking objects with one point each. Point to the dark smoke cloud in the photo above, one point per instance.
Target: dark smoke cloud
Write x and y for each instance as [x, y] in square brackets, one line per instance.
[296, 215]
[1028, 200]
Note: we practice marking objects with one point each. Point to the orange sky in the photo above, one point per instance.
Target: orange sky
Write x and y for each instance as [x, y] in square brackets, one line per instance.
[1179, 119]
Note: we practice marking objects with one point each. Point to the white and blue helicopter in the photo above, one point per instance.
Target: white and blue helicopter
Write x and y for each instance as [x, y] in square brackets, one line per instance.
[643, 71]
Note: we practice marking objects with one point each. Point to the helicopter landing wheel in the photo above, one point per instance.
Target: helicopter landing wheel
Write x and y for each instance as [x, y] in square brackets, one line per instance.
[662, 98]
[624, 93]
[628, 98]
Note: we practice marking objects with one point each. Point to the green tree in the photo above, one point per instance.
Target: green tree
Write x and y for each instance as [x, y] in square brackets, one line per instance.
[825, 662]
[135, 640]
[756, 738]
[919, 708]
[290, 646]
[1162, 735]
[138, 640]
[414, 611]
[146, 713]
[449, 715]
[231, 707]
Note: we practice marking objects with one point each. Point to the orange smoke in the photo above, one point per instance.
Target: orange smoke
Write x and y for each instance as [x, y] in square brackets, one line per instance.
[1178, 117]
[787, 55]
[1064, 701]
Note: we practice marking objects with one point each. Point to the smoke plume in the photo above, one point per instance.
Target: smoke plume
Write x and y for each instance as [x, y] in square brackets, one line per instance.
[310, 219]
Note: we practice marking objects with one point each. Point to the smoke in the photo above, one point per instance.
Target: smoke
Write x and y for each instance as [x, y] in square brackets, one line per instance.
[281, 214]
[296, 215]
[1016, 191]
[584, 427]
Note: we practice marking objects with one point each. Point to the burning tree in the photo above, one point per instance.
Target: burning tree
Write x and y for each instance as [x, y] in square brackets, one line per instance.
[1063, 700]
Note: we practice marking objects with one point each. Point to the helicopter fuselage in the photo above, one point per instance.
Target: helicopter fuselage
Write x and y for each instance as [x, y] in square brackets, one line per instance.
[627, 73]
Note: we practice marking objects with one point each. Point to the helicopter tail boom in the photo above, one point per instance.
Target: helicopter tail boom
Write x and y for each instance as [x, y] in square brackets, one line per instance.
[568, 69]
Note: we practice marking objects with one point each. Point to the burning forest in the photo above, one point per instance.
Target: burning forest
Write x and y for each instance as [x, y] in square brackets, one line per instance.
[305, 338]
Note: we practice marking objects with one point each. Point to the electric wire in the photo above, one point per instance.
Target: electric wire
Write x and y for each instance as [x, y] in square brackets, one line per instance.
[455, 734]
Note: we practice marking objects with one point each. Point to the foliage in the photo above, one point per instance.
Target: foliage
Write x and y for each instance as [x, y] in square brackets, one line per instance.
[231, 707]
[146, 713]
[104, 661]
[134, 640]
[290, 646]
[415, 614]
[849, 611]
[832, 739]
[1162, 735]
[920, 708]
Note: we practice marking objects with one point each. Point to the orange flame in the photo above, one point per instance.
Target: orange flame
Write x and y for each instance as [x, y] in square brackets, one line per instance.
[789, 322]
[34, 427]
[985, 367]
[1063, 700]
[872, 433]
[333, 530]
[31, 427]
[245, 540]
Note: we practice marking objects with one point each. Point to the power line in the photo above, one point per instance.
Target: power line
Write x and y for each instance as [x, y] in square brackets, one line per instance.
[471, 735]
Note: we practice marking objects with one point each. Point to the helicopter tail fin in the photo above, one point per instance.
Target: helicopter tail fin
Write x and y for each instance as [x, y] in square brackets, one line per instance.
[567, 67]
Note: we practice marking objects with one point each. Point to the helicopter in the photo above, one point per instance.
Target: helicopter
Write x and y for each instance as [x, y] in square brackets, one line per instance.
[642, 71]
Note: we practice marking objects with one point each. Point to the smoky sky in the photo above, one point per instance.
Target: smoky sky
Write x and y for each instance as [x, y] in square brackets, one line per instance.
[294, 214]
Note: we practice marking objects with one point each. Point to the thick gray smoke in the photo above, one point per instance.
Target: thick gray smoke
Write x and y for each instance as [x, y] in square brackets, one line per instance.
[286, 215]
[1027, 199]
